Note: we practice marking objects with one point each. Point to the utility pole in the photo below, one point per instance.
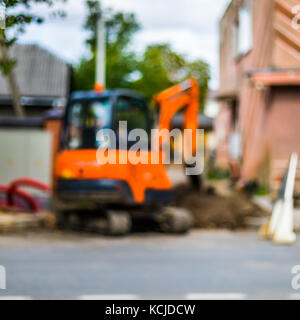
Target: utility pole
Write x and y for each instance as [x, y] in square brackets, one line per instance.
[101, 52]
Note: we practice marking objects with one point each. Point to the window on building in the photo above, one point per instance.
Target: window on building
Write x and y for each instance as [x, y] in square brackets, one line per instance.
[234, 35]
[245, 35]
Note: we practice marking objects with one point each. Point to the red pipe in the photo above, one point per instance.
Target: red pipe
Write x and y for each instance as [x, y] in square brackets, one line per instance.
[3, 189]
[20, 194]
[13, 190]
[3, 205]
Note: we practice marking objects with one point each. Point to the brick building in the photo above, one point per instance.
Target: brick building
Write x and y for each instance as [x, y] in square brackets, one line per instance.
[257, 127]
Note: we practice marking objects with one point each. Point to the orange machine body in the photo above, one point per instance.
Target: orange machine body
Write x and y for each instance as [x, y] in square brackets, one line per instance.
[83, 165]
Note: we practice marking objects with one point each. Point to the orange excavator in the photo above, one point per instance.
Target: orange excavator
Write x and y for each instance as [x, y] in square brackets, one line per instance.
[107, 195]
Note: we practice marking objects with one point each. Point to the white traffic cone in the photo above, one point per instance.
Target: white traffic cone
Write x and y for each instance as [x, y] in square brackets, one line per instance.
[282, 226]
[276, 212]
[284, 232]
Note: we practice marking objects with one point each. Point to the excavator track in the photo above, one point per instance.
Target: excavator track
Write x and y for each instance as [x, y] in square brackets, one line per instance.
[175, 220]
[119, 223]
[114, 223]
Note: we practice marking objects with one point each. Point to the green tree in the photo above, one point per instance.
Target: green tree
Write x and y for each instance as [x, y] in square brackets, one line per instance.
[200, 70]
[120, 61]
[157, 69]
[19, 14]
[161, 68]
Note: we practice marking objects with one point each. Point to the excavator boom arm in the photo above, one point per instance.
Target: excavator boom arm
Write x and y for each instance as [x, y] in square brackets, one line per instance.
[184, 96]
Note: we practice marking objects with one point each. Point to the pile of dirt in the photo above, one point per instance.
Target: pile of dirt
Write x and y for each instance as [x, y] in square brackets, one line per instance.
[212, 211]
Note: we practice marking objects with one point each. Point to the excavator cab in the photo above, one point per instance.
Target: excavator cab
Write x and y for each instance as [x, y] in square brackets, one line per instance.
[89, 112]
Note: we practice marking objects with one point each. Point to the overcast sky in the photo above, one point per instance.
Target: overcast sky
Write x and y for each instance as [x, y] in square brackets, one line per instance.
[191, 26]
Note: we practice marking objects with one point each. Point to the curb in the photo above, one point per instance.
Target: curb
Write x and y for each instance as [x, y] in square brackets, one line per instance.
[17, 222]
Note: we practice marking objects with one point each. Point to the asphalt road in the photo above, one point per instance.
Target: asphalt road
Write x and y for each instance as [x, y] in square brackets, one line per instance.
[202, 265]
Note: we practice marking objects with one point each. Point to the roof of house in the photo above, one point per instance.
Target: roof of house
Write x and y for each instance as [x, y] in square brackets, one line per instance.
[22, 122]
[38, 73]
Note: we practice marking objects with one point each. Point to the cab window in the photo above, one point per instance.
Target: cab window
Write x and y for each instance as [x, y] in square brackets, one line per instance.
[85, 120]
[134, 111]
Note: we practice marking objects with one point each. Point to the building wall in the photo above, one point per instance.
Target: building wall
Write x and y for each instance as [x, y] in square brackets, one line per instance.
[235, 84]
[282, 131]
[223, 128]
[228, 67]
[27, 155]
[275, 42]
[275, 45]
[254, 102]
[286, 50]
